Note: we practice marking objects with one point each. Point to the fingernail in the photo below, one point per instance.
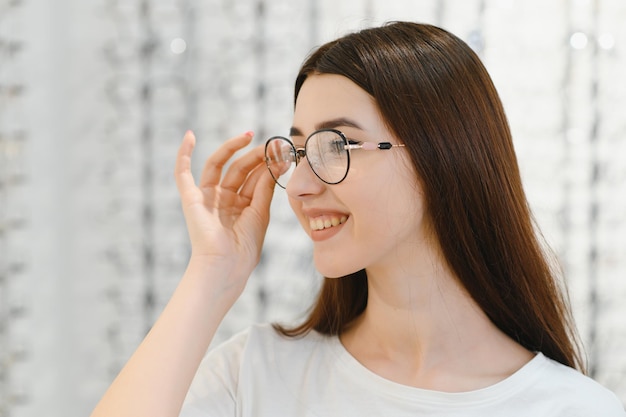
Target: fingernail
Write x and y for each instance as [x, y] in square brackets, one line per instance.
[249, 133]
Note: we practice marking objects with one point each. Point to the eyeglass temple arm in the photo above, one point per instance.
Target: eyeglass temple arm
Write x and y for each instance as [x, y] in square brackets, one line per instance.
[370, 146]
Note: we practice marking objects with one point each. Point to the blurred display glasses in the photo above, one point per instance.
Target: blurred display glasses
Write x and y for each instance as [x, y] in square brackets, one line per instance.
[327, 151]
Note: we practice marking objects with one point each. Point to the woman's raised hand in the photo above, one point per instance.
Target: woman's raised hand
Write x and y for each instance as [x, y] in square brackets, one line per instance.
[227, 214]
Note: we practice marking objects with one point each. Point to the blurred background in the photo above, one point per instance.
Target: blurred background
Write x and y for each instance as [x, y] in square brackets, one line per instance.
[96, 95]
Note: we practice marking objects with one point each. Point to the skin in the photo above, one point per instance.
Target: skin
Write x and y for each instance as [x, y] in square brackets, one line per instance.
[227, 215]
[420, 327]
[380, 195]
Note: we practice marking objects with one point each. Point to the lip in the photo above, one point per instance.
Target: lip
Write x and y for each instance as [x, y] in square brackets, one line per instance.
[324, 234]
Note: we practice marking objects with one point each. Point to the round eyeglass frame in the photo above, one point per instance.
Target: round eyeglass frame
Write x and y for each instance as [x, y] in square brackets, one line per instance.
[299, 153]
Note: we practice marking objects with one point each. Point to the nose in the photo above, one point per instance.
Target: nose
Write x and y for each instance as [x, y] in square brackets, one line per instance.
[303, 181]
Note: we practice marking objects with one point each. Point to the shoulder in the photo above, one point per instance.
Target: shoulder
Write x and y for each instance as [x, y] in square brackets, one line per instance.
[578, 394]
[265, 335]
[266, 344]
[262, 344]
[260, 359]
[255, 356]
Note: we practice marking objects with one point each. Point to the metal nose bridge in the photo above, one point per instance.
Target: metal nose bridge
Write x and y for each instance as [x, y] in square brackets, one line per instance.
[300, 153]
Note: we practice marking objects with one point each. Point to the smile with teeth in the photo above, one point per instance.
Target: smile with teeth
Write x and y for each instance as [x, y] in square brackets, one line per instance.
[326, 222]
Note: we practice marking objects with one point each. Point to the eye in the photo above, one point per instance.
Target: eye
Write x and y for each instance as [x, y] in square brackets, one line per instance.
[336, 146]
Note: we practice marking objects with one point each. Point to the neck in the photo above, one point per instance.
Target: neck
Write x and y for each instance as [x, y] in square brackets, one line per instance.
[427, 331]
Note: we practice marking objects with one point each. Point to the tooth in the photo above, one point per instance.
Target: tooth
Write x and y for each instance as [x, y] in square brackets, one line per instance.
[324, 222]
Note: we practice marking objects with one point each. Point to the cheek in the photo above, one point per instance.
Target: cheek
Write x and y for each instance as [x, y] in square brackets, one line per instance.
[296, 207]
[392, 188]
[397, 202]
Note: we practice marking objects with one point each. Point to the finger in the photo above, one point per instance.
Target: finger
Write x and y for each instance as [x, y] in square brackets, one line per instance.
[263, 193]
[212, 171]
[241, 168]
[182, 169]
[261, 200]
[247, 189]
[258, 191]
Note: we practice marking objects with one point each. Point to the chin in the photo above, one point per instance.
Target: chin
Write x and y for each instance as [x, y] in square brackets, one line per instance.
[331, 269]
[331, 275]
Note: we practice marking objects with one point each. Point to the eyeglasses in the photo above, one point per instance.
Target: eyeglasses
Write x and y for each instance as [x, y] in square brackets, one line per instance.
[327, 151]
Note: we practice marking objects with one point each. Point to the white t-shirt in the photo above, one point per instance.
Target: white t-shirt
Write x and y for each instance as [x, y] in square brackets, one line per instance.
[261, 373]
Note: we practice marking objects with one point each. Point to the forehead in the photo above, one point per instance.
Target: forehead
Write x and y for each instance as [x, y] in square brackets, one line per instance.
[325, 97]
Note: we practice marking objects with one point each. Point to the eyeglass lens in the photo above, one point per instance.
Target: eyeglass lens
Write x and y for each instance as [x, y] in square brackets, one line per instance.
[325, 152]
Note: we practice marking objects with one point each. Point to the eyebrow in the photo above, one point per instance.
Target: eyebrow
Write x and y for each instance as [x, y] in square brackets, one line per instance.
[328, 124]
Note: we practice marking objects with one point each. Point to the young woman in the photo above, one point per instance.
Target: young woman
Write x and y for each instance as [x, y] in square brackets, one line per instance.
[438, 298]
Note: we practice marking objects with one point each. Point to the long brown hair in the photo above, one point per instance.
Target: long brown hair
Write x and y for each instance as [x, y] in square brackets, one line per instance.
[436, 96]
